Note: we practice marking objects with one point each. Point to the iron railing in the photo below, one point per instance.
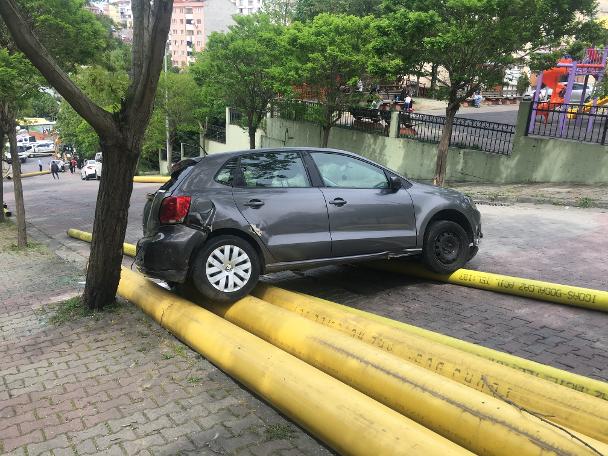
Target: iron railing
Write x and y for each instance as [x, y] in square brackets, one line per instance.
[235, 117]
[466, 133]
[355, 118]
[491, 137]
[216, 133]
[374, 121]
[584, 123]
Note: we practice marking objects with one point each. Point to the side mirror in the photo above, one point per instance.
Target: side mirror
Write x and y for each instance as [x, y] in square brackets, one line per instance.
[395, 183]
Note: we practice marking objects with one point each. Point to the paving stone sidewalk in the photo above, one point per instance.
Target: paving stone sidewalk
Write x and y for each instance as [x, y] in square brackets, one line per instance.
[115, 383]
[573, 195]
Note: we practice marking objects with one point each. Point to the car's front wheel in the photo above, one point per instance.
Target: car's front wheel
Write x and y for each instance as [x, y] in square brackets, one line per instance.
[446, 247]
[226, 269]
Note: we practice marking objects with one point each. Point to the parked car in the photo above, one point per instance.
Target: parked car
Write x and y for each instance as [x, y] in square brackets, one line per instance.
[42, 149]
[224, 219]
[60, 163]
[91, 170]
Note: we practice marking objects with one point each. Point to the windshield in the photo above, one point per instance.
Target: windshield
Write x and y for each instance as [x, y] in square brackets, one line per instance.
[90, 162]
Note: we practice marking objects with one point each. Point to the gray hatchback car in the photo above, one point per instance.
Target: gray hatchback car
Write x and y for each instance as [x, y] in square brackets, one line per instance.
[224, 219]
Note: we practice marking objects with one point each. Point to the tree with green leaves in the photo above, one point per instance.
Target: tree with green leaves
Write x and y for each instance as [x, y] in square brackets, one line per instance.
[103, 84]
[475, 41]
[75, 35]
[280, 12]
[242, 67]
[43, 105]
[120, 129]
[330, 53]
[19, 82]
[306, 10]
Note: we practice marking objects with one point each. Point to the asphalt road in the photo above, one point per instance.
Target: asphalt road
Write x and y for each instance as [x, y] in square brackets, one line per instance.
[564, 245]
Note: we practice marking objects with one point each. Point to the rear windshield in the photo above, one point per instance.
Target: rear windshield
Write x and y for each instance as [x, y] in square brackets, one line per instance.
[178, 169]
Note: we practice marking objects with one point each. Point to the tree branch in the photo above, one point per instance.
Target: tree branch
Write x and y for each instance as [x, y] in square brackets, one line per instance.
[143, 87]
[28, 43]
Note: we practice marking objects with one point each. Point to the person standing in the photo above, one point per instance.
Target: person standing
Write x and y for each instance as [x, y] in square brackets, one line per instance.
[73, 163]
[407, 102]
[55, 170]
[40, 165]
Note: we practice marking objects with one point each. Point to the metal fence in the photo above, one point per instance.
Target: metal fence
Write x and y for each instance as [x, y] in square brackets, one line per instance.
[584, 123]
[236, 117]
[373, 121]
[466, 133]
[355, 118]
[491, 137]
[216, 133]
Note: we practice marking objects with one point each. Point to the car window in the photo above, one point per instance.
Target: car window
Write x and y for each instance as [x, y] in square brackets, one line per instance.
[226, 173]
[275, 169]
[339, 170]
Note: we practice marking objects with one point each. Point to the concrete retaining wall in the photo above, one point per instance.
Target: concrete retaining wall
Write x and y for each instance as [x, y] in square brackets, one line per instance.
[532, 160]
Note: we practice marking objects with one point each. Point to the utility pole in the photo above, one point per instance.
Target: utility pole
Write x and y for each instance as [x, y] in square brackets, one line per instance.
[167, 134]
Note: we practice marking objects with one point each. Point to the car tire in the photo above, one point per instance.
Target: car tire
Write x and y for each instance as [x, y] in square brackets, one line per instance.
[446, 247]
[219, 284]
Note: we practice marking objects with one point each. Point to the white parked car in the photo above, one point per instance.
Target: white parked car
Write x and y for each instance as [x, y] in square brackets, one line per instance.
[42, 148]
[91, 170]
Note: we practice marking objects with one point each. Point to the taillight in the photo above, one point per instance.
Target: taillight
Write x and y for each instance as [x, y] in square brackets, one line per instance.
[174, 209]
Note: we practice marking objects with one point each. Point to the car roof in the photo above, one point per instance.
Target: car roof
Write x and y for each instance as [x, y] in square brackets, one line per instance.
[238, 153]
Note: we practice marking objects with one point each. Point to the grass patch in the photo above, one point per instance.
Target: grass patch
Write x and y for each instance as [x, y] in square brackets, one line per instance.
[584, 202]
[31, 247]
[73, 309]
[168, 356]
[180, 350]
[194, 380]
[279, 432]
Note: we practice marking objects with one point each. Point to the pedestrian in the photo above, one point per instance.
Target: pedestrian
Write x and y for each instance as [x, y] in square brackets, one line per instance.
[55, 170]
[407, 102]
[39, 165]
[73, 164]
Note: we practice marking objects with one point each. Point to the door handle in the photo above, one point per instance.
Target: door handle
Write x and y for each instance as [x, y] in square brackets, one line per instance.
[254, 203]
[338, 202]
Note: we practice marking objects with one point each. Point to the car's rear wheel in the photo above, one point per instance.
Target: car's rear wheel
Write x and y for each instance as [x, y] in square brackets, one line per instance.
[446, 247]
[226, 269]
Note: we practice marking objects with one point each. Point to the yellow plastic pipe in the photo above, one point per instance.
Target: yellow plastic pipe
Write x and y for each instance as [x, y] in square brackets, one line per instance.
[128, 249]
[151, 179]
[484, 425]
[535, 289]
[35, 173]
[570, 380]
[565, 406]
[348, 421]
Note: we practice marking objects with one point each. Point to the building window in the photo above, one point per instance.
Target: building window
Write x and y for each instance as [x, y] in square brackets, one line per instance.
[189, 21]
[188, 10]
[181, 21]
[198, 21]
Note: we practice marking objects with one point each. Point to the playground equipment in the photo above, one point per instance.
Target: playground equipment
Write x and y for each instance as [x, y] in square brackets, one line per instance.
[573, 111]
[561, 80]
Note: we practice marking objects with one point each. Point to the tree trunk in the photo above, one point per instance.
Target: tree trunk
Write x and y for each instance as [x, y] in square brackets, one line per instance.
[1, 175]
[325, 137]
[109, 228]
[444, 144]
[19, 205]
[252, 131]
[433, 88]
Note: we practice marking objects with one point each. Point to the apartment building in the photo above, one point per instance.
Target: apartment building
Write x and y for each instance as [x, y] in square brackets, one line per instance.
[247, 6]
[192, 22]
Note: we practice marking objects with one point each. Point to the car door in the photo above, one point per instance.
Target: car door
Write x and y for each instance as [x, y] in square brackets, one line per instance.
[274, 194]
[365, 215]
